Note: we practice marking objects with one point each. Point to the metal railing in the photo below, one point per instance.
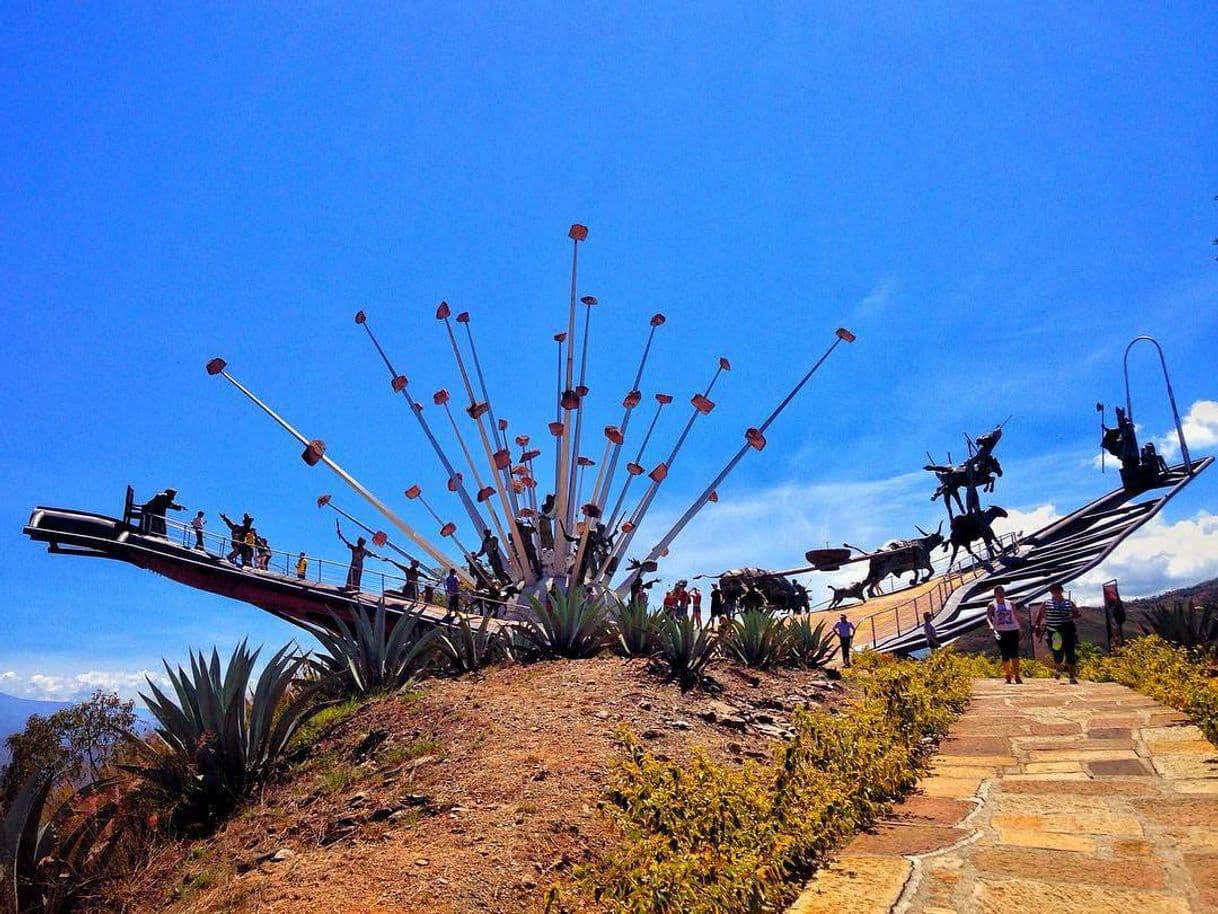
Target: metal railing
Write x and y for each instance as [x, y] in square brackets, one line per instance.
[906, 616]
[281, 564]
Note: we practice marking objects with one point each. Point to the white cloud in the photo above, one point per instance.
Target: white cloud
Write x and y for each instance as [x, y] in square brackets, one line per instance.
[1200, 426]
[78, 685]
[876, 301]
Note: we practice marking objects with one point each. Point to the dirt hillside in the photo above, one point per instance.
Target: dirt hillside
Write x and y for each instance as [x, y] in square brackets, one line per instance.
[468, 795]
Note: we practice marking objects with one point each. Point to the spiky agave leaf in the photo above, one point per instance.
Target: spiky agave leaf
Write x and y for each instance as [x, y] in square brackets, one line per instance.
[637, 628]
[687, 649]
[757, 639]
[567, 625]
[45, 869]
[465, 649]
[220, 738]
[1186, 626]
[808, 646]
[364, 657]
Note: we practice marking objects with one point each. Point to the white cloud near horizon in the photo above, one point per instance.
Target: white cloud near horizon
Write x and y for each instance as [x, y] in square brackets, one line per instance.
[76, 686]
[1200, 424]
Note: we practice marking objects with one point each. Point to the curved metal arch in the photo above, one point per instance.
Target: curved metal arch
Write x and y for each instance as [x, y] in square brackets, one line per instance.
[1171, 396]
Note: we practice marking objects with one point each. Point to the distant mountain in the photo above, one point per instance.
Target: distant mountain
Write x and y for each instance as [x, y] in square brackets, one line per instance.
[1203, 594]
[14, 712]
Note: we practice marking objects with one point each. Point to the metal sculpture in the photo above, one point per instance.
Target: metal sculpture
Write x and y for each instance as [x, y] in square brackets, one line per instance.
[979, 471]
[567, 540]
[899, 556]
[968, 528]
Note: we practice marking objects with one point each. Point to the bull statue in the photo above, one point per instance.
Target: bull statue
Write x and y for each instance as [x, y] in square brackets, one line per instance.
[968, 528]
[778, 592]
[900, 556]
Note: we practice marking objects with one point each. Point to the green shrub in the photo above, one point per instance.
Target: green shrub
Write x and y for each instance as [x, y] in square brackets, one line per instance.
[757, 639]
[567, 625]
[219, 739]
[1182, 625]
[1183, 679]
[807, 645]
[636, 628]
[686, 650]
[466, 649]
[707, 838]
[366, 657]
[50, 858]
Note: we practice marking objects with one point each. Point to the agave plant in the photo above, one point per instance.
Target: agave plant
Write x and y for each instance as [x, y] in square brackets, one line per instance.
[218, 738]
[49, 861]
[466, 649]
[566, 625]
[637, 628]
[687, 649]
[808, 646]
[366, 657]
[758, 639]
[1183, 625]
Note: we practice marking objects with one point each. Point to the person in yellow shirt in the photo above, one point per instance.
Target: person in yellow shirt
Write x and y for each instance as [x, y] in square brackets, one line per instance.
[302, 566]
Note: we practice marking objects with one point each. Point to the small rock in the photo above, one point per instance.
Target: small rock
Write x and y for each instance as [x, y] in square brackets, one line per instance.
[541, 774]
[381, 814]
[357, 801]
[680, 724]
[421, 761]
[282, 855]
[422, 861]
[416, 799]
[529, 882]
[645, 705]
[602, 715]
[651, 734]
[709, 716]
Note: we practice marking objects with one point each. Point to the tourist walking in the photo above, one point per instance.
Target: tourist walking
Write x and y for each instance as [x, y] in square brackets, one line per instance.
[452, 590]
[928, 631]
[359, 552]
[1004, 623]
[1055, 619]
[844, 629]
[695, 602]
[302, 566]
[197, 526]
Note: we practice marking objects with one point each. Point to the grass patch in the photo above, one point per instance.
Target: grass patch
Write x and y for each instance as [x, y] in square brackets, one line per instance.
[321, 722]
[1179, 677]
[416, 748]
[337, 778]
[709, 838]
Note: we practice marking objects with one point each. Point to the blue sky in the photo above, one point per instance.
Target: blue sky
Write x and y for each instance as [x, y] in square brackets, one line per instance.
[994, 201]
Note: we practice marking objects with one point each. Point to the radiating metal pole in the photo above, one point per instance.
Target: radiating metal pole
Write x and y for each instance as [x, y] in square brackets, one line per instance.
[600, 494]
[662, 400]
[754, 438]
[574, 495]
[324, 501]
[217, 366]
[636, 519]
[562, 510]
[400, 384]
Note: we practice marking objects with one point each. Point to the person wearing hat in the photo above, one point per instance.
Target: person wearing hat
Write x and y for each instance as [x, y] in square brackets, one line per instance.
[152, 512]
[1055, 619]
[845, 634]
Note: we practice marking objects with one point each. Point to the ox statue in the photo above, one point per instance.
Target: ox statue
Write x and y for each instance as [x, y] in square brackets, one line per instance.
[777, 591]
[968, 528]
[900, 556]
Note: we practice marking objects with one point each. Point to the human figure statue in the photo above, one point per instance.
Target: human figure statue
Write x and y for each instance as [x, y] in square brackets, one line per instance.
[528, 535]
[152, 512]
[801, 598]
[545, 523]
[359, 552]
[490, 549]
[237, 534]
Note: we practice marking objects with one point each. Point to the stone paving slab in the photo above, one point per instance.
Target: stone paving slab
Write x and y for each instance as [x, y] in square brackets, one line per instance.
[1045, 796]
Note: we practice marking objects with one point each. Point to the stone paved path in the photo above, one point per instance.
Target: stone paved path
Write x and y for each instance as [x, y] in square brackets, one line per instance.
[1045, 796]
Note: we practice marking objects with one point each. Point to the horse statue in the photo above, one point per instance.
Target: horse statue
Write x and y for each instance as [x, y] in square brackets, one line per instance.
[968, 528]
[978, 472]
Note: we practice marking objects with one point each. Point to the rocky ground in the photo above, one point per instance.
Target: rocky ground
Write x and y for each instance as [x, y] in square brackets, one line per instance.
[473, 794]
